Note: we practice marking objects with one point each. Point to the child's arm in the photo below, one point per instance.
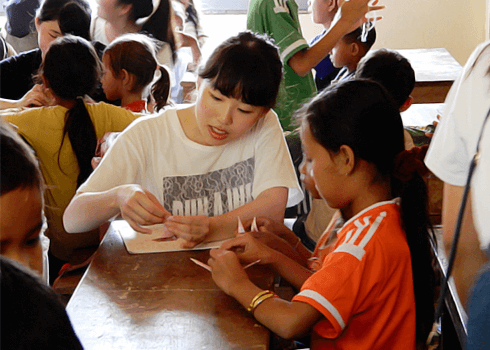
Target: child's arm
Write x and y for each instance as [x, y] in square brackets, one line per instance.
[136, 205]
[286, 319]
[351, 15]
[250, 249]
[270, 203]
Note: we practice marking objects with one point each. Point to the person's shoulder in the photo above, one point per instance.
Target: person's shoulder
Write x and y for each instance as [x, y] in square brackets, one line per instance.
[33, 55]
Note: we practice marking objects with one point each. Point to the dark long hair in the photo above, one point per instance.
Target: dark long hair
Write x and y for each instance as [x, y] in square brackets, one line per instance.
[246, 67]
[159, 24]
[362, 115]
[73, 16]
[72, 69]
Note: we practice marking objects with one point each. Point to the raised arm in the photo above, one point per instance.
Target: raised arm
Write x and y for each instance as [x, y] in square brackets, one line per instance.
[349, 16]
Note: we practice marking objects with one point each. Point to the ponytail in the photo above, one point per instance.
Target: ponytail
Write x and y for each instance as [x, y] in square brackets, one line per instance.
[71, 69]
[82, 136]
[409, 185]
[161, 89]
[159, 25]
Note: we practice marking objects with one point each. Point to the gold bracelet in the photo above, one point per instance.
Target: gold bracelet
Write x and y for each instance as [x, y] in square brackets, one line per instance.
[249, 309]
[259, 298]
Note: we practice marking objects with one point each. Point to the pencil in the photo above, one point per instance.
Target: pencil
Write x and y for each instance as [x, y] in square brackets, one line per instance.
[203, 265]
[252, 264]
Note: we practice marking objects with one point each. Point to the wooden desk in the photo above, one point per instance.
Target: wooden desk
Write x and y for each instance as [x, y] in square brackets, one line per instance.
[435, 72]
[160, 301]
[422, 114]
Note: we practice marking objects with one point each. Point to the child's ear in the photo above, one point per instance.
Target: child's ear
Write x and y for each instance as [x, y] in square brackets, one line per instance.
[127, 79]
[407, 104]
[355, 49]
[345, 160]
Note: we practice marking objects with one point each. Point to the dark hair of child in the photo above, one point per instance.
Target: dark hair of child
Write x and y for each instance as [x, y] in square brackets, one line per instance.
[32, 315]
[246, 67]
[72, 69]
[73, 16]
[19, 167]
[362, 115]
[391, 70]
[356, 35]
[159, 24]
[136, 54]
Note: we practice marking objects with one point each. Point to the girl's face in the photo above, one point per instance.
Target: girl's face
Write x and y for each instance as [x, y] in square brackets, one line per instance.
[341, 54]
[47, 32]
[110, 83]
[322, 168]
[21, 222]
[110, 10]
[221, 119]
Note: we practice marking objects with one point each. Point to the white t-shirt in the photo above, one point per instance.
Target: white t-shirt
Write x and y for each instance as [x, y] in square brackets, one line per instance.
[455, 140]
[192, 179]
[97, 31]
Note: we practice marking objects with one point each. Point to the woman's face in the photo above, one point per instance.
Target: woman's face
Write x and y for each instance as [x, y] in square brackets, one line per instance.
[21, 221]
[221, 119]
[47, 32]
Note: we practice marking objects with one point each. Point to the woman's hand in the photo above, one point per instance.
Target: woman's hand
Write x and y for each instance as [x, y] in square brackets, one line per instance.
[227, 272]
[193, 229]
[140, 207]
[36, 97]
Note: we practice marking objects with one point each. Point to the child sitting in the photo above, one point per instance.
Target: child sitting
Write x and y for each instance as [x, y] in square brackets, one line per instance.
[349, 50]
[64, 137]
[376, 289]
[197, 168]
[395, 73]
[129, 65]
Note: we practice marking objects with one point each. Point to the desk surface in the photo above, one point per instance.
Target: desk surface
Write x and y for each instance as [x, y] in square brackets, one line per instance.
[421, 114]
[160, 301]
[432, 65]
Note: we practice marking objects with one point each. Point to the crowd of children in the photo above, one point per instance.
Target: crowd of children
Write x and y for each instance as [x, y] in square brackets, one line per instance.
[368, 282]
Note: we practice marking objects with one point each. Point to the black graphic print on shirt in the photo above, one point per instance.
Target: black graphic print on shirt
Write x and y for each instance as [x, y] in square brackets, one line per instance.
[210, 194]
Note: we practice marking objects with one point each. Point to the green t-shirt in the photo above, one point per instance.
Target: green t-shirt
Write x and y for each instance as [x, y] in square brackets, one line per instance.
[279, 19]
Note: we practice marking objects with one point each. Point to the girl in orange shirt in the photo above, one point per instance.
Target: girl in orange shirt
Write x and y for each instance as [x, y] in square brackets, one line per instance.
[376, 289]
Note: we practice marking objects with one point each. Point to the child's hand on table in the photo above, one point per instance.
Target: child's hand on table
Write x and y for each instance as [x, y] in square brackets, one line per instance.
[248, 249]
[227, 271]
[193, 229]
[140, 207]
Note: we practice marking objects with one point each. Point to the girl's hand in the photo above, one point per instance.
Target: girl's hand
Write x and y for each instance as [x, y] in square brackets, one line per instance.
[193, 229]
[353, 12]
[227, 272]
[249, 249]
[36, 97]
[271, 226]
[140, 207]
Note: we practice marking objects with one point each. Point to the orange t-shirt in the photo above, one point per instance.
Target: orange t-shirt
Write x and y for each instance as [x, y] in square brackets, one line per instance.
[364, 287]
